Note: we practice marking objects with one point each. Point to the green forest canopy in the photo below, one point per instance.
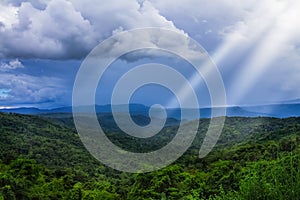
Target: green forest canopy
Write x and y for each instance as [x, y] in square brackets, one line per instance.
[256, 158]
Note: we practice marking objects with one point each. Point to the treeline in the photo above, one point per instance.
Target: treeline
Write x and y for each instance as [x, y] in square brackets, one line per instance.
[256, 158]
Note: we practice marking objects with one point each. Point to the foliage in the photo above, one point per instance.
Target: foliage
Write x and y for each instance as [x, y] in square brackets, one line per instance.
[256, 158]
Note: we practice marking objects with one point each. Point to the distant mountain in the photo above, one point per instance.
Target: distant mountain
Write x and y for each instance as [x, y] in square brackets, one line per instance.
[276, 110]
[23, 110]
[272, 110]
[136, 108]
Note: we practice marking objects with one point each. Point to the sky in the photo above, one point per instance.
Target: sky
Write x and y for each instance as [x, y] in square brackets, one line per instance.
[255, 44]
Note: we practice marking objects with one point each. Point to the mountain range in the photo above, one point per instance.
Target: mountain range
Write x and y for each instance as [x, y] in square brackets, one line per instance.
[282, 110]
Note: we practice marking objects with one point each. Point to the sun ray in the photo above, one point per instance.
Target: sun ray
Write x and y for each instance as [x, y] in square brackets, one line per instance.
[265, 53]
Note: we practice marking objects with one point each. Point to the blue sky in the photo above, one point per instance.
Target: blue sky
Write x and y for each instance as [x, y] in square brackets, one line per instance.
[255, 45]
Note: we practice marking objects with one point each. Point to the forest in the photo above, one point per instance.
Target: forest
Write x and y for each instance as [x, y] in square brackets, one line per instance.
[42, 157]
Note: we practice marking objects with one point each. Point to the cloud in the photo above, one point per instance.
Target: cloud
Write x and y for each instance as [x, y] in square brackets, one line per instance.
[8, 16]
[4, 93]
[11, 65]
[266, 36]
[255, 44]
[204, 20]
[69, 29]
[41, 4]
[58, 31]
[156, 43]
[27, 89]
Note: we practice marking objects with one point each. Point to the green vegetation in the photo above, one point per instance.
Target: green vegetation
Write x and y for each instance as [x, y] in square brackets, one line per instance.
[256, 158]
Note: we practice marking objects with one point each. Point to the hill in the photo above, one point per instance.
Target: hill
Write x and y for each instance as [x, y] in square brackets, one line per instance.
[255, 158]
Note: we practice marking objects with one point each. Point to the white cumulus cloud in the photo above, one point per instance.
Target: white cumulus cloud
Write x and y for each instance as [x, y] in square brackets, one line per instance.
[60, 29]
[11, 65]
